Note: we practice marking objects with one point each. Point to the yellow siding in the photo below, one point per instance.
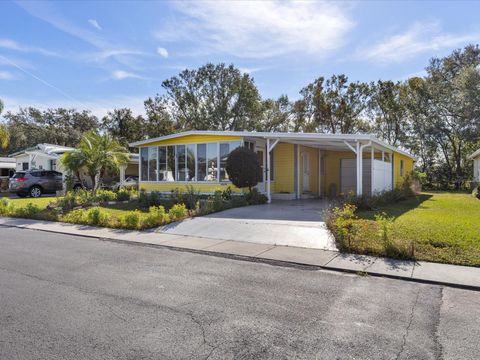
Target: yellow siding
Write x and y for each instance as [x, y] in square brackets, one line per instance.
[169, 186]
[283, 168]
[193, 139]
[332, 171]
[408, 167]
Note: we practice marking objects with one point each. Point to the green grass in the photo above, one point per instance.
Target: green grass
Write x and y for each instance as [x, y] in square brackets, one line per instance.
[42, 202]
[443, 226]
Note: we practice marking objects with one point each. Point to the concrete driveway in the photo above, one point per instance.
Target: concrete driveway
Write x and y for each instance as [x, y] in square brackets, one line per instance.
[292, 223]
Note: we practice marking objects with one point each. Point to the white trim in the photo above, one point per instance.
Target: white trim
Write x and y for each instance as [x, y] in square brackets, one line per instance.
[351, 147]
[279, 135]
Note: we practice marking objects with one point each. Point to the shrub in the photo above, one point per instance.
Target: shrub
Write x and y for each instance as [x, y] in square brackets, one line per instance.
[243, 168]
[254, 197]
[178, 212]
[190, 197]
[156, 216]
[28, 211]
[104, 195]
[131, 220]
[75, 217]
[96, 216]
[215, 202]
[153, 198]
[123, 195]
[341, 222]
[5, 204]
[476, 191]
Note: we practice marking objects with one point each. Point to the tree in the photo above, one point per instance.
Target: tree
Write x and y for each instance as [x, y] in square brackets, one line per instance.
[275, 115]
[334, 105]
[213, 97]
[159, 120]
[4, 133]
[243, 168]
[387, 111]
[122, 125]
[98, 154]
[30, 126]
[451, 98]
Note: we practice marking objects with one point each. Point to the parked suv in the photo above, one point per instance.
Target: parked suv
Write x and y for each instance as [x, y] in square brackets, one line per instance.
[34, 183]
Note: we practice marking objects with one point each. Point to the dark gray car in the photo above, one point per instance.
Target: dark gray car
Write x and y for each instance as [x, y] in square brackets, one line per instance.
[34, 183]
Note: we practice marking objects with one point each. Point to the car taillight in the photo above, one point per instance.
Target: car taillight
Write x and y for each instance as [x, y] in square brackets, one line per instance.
[22, 179]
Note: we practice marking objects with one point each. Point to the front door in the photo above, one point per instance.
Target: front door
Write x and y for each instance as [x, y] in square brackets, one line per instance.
[306, 171]
[260, 156]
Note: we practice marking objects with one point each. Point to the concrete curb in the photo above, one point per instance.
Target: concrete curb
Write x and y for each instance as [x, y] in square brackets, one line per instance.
[328, 265]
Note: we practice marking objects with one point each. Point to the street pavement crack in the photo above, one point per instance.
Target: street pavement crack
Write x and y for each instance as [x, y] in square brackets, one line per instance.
[407, 330]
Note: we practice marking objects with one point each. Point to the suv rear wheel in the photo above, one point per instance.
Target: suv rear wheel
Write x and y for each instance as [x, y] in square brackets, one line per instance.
[35, 191]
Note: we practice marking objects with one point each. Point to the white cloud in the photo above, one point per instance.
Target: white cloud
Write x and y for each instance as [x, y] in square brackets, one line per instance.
[120, 75]
[419, 38]
[162, 52]
[259, 29]
[248, 70]
[5, 75]
[95, 24]
[13, 45]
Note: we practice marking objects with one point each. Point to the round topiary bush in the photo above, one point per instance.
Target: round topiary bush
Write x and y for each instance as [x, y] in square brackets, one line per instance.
[243, 168]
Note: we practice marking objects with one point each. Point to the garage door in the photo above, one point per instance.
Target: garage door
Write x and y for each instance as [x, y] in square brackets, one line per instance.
[348, 176]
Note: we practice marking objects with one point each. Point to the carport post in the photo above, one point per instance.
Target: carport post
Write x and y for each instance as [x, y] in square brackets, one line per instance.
[359, 169]
[373, 169]
[269, 197]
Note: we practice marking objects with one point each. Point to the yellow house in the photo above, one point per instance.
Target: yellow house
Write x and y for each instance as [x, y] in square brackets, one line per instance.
[295, 165]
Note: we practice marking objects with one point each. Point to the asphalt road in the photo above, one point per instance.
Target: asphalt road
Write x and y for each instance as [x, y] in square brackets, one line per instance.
[67, 297]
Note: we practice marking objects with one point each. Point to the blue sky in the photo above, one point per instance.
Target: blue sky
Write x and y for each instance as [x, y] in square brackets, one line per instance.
[101, 55]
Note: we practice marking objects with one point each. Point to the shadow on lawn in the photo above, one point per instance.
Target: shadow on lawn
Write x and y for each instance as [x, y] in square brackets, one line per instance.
[398, 208]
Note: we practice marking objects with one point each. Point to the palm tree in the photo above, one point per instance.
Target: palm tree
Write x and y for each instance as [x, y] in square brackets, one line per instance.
[97, 154]
[4, 134]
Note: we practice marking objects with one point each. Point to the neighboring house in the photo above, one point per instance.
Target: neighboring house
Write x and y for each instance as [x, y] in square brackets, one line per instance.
[7, 168]
[295, 165]
[47, 157]
[476, 165]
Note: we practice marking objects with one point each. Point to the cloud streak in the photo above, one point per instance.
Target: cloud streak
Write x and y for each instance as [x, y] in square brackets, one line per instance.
[95, 24]
[421, 37]
[13, 45]
[259, 29]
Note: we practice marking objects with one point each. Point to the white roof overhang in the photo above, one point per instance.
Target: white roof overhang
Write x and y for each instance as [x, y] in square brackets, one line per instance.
[322, 141]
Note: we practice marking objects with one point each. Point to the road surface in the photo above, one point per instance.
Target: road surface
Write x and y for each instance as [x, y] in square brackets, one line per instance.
[68, 297]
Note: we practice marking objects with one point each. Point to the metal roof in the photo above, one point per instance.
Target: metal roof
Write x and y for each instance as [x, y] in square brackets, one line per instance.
[282, 136]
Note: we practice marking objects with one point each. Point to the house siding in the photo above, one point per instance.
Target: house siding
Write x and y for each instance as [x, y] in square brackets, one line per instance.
[193, 139]
[284, 156]
[398, 179]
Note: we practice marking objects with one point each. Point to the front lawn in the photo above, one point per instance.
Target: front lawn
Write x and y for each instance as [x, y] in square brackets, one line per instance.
[433, 226]
[125, 209]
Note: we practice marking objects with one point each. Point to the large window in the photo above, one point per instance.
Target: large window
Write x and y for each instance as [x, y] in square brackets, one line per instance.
[144, 164]
[212, 161]
[181, 164]
[202, 162]
[190, 162]
[162, 163]
[170, 163]
[152, 164]
[148, 164]
[272, 169]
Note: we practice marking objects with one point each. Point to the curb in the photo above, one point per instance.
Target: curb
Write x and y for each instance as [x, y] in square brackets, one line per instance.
[259, 259]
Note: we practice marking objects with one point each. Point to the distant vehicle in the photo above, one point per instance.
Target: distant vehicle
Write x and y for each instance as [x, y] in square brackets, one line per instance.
[130, 182]
[34, 183]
